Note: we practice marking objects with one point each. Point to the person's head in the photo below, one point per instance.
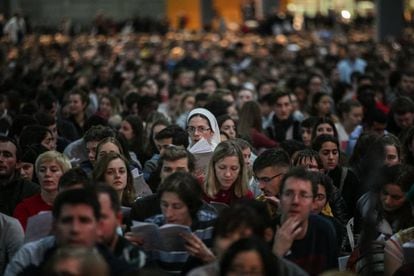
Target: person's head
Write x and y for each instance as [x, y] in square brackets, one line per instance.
[376, 122]
[107, 145]
[391, 147]
[37, 134]
[28, 161]
[402, 110]
[93, 136]
[245, 95]
[298, 190]
[324, 125]
[283, 106]
[328, 148]
[50, 166]
[74, 178]
[227, 125]
[308, 159]
[407, 82]
[69, 260]
[10, 157]
[171, 135]
[246, 150]
[78, 101]
[324, 193]
[269, 168]
[187, 102]
[49, 121]
[227, 170]
[111, 215]
[132, 129]
[351, 112]
[306, 128]
[181, 198]
[201, 124]
[394, 183]
[241, 220]
[176, 159]
[321, 104]
[250, 118]
[315, 83]
[76, 215]
[209, 84]
[250, 256]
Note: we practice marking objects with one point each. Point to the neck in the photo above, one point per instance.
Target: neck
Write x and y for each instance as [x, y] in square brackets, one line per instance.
[113, 242]
[348, 127]
[79, 118]
[48, 197]
[120, 194]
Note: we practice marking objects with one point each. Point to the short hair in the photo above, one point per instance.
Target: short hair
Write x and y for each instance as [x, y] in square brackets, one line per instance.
[307, 154]
[280, 94]
[82, 94]
[187, 188]
[103, 188]
[243, 143]
[173, 153]
[97, 133]
[73, 177]
[309, 122]
[292, 146]
[52, 155]
[324, 120]
[226, 149]
[179, 136]
[326, 182]
[76, 197]
[45, 119]
[271, 158]
[347, 106]
[402, 105]
[302, 174]
[33, 134]
[5, 139]
[399, 174]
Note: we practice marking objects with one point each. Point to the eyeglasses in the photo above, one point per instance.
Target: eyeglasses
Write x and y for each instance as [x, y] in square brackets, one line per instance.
[266, 179]
[290, 195]
[192, 130]
[320, 197]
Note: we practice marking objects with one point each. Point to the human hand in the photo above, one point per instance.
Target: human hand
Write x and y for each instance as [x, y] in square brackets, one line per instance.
[197, 248]
[285, 235]
[134, 238]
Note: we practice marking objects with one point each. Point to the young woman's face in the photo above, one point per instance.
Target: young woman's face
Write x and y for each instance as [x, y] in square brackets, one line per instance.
[76, 106]
[354, 116]
[391, 155]
[116, 174]
[49, 174]
[325, 129]
[306, 134]
[107, 148]
[320, 200]
[105, 106]
[324, 105]
[392, 198]
[227, 171]
[329, 153]
[199, 128]
[126, 130]
[189, 103]
[247, 263]
[174, 209]
[230, 128]
[49, 141]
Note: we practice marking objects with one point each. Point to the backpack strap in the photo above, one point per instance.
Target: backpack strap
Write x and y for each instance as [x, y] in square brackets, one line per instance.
[344, 173]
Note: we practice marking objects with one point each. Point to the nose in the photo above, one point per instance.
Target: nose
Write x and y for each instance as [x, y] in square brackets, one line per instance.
[168, 213]
[387, 200]
[227, 172]
[261, 185]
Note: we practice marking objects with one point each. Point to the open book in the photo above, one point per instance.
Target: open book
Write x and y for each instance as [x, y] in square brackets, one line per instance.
[38, 226]
[165, 238]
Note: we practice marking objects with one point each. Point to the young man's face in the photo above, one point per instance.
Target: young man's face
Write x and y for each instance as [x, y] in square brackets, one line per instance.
[296, 199]
[8, 159]
[77, 226]
[404, 120]
[283, 108]
[172, 166]
[109, 221]
[269, 179]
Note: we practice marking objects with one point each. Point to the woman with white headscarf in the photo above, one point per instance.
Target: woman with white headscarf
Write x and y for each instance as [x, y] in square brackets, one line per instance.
[203, 130]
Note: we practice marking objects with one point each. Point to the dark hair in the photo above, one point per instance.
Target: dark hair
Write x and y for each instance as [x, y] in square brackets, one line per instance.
[326, 182]
[76, 197]
[270, 158]
[19, 122]
[82, 94]
[73, 177]
[292, 146]
[309, 122]
[250, 244]
[302, 174]
[174, 153]
[324, 120]
[136, 144]
[46, 99]
[5, 139]
[321, 139]
[179, 136]
[103, 188]
[317, 97]
[187, 189]
[347, 106]
[307, 154]
[402, 105]
[33, 134]
[45, 119]
[97, 133]
[407, 141]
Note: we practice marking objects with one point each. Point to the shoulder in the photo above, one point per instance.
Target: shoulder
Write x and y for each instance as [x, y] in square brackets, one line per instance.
[286, 267]
[321, 224]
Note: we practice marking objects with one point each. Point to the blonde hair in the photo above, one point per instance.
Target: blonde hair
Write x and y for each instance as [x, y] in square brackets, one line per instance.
[226, 149]
[52, 155]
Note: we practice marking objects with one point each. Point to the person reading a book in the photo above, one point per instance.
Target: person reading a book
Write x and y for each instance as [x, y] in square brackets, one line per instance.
[112, 169]
[49, 166]
[227, 179]
[181, 202]
[203, 130]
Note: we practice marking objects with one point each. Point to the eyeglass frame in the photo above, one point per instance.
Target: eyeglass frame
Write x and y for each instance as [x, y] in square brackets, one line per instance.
[291, 195]
[266, 179]
[200, 129]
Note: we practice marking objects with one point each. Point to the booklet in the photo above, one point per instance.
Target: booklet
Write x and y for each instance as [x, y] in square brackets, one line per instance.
[165, 238]
[39, 226]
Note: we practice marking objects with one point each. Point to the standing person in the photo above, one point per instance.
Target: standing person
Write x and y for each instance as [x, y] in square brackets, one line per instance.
[305, 239]
[13, 189]
[78, 102]
[226, 179]
[50, 166]
[15, 28]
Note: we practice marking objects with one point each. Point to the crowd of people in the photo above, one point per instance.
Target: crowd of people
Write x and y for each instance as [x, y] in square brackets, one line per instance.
[281, 155]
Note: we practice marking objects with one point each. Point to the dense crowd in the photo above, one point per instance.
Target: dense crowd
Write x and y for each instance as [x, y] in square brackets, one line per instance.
[289, 154]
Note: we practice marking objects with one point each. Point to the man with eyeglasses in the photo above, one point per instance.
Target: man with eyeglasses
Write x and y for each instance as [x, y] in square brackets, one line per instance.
[307, 240]
[269, 168]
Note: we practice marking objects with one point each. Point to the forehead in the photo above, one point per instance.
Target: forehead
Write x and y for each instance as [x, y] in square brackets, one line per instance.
[183, 162]
[76, 210]
[118, 162]
[329, 145]
[8, 146]
[283, 100]
[198, 120]
[109, 147]
[171, 197]
[49, 163]
[297, 184]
